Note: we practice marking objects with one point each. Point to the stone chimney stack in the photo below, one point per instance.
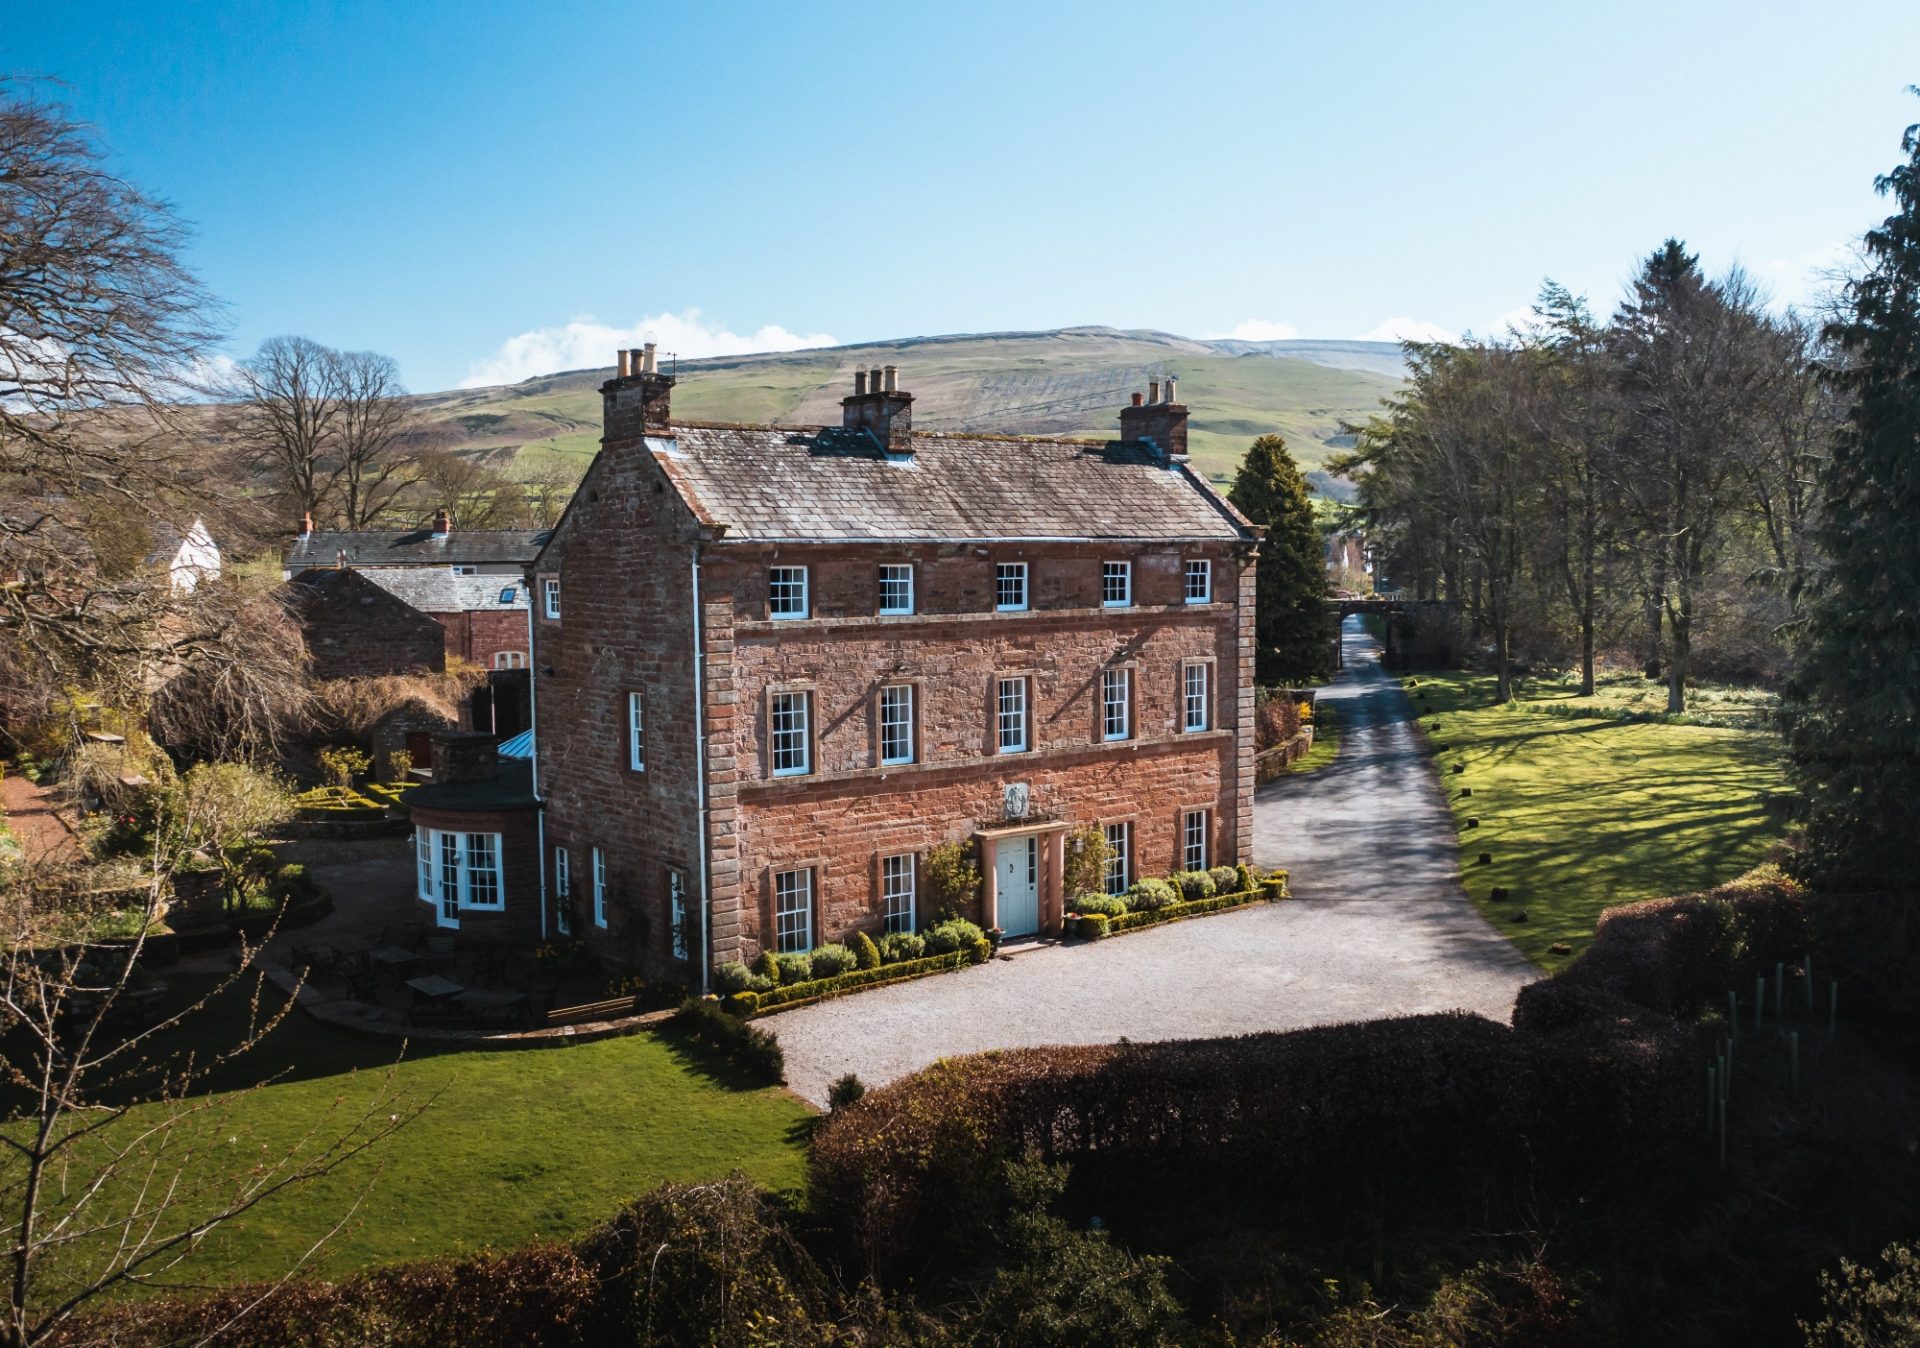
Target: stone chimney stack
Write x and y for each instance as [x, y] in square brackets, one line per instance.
[1159, 421]
[306, 524]
[637, 401]
[879, 406]
[464, 756]
[442, 524]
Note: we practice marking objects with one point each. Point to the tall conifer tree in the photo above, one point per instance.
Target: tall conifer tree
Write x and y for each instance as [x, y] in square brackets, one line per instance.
[1853, 707]
[1291, 631]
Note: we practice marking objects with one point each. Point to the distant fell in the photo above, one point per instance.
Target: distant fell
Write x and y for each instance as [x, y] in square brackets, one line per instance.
[1065, 381]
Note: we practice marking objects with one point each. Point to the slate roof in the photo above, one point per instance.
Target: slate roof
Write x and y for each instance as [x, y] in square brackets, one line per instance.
[511, 790]
[415, 547]
[435, 589]
[783, 483]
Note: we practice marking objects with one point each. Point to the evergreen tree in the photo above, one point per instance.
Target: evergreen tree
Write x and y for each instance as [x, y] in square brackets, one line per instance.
[1853, 706]
[1291, 631]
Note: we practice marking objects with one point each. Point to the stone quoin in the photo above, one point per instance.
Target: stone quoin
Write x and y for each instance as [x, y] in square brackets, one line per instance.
[774, 666]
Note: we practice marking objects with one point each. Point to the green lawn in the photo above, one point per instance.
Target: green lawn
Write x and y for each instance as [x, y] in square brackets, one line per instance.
[1581, 813]
[510, 1145]
[1326, 743]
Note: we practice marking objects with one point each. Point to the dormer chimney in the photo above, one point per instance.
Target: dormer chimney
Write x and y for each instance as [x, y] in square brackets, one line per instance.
[879, 407]
[442, 523]
[637, 400]
[1160, 422]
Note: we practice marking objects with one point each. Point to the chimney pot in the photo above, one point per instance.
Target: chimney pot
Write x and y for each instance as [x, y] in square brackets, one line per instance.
[1137, 400]
[442, 523]
[1170, 397]
[626, 362]
[859, 383]
[649, 363]
[1153, 390]
[891, 384]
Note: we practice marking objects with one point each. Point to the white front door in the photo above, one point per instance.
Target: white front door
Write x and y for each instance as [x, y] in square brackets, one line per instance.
[1016, 885]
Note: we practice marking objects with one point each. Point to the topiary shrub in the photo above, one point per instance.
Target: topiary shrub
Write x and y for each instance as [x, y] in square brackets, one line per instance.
[1091, 926]
[768, 967]
[844, 1091]
[982, 950]
[742, 1004]
[1107, 905]
[731, 977]
[795, 967]
[1226, 880]
[1150, 896]
[832, 959]
[1193, 885]
[955, 933]
[760, 983]
[866, 954]
[897, 946]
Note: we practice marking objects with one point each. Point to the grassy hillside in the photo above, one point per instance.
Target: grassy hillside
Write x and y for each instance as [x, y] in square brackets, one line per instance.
[1071, 381]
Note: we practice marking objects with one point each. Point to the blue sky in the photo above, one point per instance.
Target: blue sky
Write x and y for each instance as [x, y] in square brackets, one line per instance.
[491, 190]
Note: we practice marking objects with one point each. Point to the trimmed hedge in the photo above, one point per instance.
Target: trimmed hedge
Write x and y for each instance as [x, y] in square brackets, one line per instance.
[1667, 956]
[788, 994]
[1192, 908]
[1393, 1099]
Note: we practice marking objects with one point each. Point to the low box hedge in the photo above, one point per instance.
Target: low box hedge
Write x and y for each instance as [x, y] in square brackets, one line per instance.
[816, 989]
[1190, 908]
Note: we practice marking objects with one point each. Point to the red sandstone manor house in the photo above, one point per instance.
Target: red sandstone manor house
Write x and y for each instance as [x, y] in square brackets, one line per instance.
[773, 666]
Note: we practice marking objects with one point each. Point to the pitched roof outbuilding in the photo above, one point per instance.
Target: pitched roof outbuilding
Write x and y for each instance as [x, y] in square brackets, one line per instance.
[436, 589]
[415, 547]
[777, 484]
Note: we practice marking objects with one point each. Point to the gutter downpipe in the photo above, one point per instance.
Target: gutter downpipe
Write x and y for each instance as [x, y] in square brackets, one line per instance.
[700, 770]
[533, 715]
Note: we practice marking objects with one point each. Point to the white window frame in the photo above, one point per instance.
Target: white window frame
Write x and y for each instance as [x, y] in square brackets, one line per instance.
[550, 596]
[677, 916]
[509, 659]
[896, 726]
[1016, 708]
[1118, 595]
[897, 891]
[788, 700]
[1196, 703]
[636, 732]
[1201, 569]
[599, 888]
[1016, 573]
[457, 872]
[1193, 840]
[780, 579]
[562, 889]
[787, 886]
[1119, 856]
[1116, 704]
[896, 574]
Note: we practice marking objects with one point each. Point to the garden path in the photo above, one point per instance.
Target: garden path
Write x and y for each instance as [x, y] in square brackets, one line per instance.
[1379, 927]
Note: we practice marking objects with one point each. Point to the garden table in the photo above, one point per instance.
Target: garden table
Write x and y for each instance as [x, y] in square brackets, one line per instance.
[435, 986]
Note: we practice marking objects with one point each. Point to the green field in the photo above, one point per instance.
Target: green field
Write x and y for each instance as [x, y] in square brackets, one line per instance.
[508, 1145]
[1068, 382]
[1584, 811]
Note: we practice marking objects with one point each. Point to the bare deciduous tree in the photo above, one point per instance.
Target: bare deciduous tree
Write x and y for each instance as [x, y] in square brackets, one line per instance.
[286, 418]
[374, 424]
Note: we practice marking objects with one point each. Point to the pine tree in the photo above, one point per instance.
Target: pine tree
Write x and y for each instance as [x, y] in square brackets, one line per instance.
[1292, 635]
[1852, 709]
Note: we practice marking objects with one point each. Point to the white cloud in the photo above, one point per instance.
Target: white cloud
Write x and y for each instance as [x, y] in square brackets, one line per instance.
[585, 342]
[1256, 330]
[1804, 279]
[1408, 330]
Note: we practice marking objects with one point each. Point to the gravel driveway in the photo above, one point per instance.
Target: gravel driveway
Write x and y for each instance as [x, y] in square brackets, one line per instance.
[1381, 928]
